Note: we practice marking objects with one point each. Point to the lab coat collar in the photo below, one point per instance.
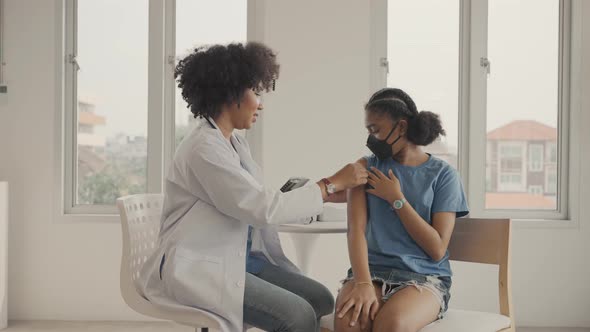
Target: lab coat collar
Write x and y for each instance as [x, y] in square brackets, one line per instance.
[239, 149]
[209, 122]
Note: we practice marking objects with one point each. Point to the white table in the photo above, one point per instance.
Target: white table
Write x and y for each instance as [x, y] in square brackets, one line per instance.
[305, 238]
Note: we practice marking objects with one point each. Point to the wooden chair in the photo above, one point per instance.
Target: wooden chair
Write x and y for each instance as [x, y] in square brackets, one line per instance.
[485, 241]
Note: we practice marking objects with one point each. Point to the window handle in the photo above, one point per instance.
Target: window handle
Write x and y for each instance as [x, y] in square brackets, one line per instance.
[383, 62]
[74, 61]
[485, 62]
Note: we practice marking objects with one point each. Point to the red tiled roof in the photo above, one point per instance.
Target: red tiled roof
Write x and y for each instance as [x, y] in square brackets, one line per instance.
[524, 130]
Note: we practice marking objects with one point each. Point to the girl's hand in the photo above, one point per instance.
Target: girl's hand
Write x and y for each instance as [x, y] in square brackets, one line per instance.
[385, 187]
[364, 301]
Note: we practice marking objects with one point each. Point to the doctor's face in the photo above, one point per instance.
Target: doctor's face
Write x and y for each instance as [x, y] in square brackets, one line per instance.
[248, 112]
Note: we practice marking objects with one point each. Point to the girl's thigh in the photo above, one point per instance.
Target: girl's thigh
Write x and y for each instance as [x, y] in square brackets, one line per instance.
[409, 309]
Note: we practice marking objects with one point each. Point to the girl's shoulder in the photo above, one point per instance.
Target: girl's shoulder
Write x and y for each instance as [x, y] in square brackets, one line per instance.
[368, 160]
[438, 163]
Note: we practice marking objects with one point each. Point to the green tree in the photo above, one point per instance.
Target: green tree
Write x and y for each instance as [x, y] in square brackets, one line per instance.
[122, 176]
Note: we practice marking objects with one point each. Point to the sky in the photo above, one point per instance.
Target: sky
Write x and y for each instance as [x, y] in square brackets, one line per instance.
[113, 57]
[423, 50]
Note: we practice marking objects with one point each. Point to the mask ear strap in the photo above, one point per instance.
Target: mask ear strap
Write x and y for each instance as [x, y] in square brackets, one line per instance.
[391, 132]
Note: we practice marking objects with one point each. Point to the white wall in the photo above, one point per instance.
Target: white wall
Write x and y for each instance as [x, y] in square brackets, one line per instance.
[56, 270]
[3, 254]
[70, 271]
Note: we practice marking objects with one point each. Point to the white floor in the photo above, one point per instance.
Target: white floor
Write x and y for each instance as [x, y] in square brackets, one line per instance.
[61, 326]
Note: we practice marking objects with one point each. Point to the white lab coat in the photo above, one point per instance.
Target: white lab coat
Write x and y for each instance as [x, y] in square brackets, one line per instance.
[212, 194]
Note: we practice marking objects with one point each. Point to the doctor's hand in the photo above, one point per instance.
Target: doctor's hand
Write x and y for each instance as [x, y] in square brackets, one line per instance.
[339, 197]
[350, 176]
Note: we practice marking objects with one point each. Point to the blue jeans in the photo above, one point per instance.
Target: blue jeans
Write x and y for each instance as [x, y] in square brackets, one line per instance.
[278, 300]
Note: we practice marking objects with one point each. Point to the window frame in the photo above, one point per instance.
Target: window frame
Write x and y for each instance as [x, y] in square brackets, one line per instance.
[161, 125]
[472, 108]
[550, 172]
[3, 86]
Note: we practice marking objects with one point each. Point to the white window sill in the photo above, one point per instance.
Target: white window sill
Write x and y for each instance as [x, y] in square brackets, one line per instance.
[88, 218]
[544, 224]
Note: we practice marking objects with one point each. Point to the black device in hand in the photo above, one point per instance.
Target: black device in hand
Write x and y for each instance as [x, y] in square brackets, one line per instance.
[293, 183]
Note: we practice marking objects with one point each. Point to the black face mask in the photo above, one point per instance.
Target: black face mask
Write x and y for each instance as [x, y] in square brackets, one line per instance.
[381, 148]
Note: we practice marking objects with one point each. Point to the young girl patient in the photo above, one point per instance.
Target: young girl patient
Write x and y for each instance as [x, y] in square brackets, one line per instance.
[400, 224]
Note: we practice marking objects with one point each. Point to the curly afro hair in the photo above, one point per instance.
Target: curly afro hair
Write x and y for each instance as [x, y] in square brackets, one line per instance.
[423, 127]
[212, 76]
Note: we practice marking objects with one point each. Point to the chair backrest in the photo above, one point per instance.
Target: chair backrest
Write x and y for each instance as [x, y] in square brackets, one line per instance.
[486, 241]
[140, 224]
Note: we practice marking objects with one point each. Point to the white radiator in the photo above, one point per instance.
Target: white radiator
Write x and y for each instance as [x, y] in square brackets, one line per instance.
[3, 253]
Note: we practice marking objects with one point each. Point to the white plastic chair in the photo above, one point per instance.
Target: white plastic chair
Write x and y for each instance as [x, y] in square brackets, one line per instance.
[140, 223]
[485, 241]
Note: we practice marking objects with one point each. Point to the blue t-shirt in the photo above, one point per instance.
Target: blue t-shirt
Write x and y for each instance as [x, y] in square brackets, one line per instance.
[431, 187]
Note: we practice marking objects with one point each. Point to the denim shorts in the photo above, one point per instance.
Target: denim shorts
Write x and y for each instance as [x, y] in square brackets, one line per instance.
[393, 280]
